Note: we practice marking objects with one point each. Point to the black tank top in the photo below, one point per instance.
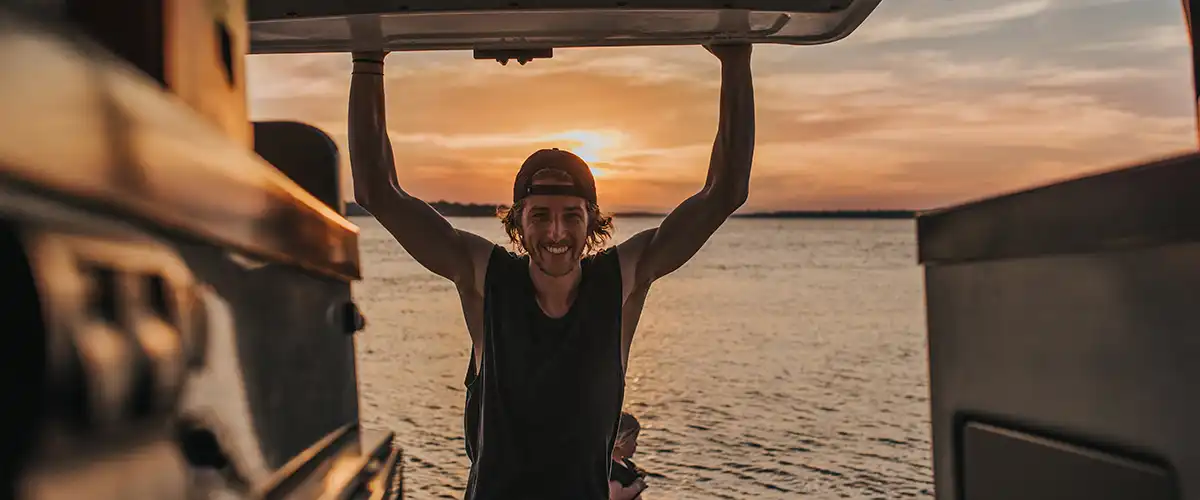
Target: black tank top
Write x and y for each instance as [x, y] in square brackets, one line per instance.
[471, 407]
[541, 413]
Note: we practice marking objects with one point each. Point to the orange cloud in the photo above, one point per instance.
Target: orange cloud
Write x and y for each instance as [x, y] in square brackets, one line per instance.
[897, 119]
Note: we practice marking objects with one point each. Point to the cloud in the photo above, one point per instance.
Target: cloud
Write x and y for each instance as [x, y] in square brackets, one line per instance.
[851, 125]
[943, 66]
[954, 25]
[1153, 39]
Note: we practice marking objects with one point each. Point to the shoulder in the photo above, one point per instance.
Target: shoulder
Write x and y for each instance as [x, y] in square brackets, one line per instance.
[502, 255]
[502, 260]
[605, 268]
[606, 260]
[628, 259]
[491, 265]
[605, 255]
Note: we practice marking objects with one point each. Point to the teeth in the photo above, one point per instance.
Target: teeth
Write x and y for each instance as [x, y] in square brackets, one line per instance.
[557, 250]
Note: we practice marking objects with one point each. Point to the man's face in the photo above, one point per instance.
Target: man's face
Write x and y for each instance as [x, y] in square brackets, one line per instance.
[554, 229]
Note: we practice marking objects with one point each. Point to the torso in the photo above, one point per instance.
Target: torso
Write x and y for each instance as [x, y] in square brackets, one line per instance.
[543, 404]
[631, 312]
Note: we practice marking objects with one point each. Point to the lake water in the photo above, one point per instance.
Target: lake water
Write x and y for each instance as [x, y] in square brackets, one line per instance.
[786, 360]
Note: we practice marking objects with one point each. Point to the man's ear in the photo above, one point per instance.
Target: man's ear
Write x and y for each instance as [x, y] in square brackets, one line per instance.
[593, 217]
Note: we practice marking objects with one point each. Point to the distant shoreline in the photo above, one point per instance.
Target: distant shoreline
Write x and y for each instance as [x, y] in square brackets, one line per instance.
[831, 214]
[452, 209]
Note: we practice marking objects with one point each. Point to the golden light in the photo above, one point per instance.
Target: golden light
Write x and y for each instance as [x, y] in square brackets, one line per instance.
[591, 145]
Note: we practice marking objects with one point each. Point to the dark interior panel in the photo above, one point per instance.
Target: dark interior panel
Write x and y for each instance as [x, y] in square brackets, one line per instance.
[1068, 310]
[304, 153]
[1005, 464]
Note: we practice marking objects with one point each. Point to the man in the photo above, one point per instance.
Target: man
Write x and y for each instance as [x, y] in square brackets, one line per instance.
[550, 327]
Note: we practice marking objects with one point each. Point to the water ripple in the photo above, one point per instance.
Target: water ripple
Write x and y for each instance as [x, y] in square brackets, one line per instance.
[790, 368]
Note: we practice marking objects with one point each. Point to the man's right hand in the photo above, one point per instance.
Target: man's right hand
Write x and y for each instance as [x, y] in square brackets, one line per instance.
[374, 55]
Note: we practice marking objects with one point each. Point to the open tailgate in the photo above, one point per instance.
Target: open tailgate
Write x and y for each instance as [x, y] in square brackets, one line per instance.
[299, 26]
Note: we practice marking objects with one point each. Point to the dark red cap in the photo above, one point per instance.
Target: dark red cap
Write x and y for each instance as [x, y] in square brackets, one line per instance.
[574, 166]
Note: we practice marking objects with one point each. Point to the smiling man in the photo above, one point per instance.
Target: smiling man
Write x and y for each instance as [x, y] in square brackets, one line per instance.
[550, 325]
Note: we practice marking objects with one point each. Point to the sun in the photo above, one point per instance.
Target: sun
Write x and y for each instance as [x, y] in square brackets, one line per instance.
[593, 146]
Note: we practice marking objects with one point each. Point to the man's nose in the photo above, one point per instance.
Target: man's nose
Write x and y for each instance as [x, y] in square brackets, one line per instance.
[557, 228]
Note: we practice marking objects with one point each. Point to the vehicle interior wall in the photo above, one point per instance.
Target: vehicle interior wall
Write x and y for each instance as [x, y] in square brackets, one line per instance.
[1060, 336]
[157, 222]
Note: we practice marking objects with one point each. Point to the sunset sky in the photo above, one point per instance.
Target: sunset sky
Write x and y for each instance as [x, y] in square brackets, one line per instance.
[928, 103]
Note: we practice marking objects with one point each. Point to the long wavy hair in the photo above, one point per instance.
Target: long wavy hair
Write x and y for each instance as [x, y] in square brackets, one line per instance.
[600, 225]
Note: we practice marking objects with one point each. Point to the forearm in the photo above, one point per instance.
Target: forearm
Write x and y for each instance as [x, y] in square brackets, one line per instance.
[371, 160]
[733, 149]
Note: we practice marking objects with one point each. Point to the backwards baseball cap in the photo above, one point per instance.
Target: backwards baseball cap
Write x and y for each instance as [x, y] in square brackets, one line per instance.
[583, 184]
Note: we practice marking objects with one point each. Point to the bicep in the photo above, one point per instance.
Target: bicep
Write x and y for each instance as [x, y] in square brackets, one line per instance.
[629, 253]
[657, 252]
[431, 240]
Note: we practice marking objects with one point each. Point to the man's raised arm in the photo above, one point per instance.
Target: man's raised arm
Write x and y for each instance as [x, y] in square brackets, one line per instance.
[657, 252]
[455, 255]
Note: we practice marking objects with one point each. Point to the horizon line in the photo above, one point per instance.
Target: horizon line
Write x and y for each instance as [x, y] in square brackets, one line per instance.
[471, 209]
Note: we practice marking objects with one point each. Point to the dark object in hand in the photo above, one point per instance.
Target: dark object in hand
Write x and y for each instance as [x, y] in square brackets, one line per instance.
[626, 472]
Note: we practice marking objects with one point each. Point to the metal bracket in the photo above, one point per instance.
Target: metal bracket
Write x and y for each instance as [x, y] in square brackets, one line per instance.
[522, 56]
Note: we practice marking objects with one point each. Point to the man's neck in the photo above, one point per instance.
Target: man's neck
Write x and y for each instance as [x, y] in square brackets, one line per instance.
[555, 293]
